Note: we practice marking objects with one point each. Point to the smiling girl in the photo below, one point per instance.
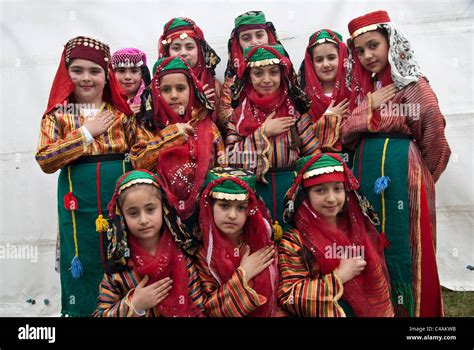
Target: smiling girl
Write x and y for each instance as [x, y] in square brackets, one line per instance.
[150, 271]
[269, 129]
[85, 133]
[331, 264]
[323, 74]
[250, 29]
[183, 38]
[132, 73]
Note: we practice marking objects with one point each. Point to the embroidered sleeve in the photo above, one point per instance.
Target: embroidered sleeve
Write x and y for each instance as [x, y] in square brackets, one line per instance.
[56, 149]
[148, 145]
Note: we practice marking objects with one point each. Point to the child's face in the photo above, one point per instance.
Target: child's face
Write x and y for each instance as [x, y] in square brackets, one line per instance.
[325, 61]
[143, 213]
[266, 80]
[89, 79]
[230, 216]
[253, 37]
[372, 50]
[175, 91]
[327, 199]
[185, 48]
[130, 79]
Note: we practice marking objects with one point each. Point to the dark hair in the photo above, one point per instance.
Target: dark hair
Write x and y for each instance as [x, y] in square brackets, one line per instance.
[384, 32]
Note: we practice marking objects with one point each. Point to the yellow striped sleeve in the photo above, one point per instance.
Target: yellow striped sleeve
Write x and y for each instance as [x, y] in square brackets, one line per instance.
[148, 144]
[298, 293]
[56, 149]
[234, 298]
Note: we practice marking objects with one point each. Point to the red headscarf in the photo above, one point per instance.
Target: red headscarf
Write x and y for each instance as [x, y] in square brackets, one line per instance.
[313, 88]
[254, 110]
[94, 51]
[183, 168]
[368, 293]
[204, 73]
[168, 260]
[236, 54]
[257, 234]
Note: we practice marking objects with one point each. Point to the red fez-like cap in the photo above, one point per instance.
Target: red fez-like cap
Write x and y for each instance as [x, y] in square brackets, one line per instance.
[367, 22]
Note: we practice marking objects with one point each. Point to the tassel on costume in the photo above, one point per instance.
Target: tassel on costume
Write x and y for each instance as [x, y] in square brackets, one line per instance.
[277, 231]
[383, 241]
[381, 184]
[70, 202]
[101, 224]
[76, 267]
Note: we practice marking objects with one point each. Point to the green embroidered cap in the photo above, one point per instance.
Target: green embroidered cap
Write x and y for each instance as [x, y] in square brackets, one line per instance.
[177, 22]
[174, 64]
[323, 37]
[229, 190]
[263, 57]
[250, 18]
[135, 177]
[325, 169]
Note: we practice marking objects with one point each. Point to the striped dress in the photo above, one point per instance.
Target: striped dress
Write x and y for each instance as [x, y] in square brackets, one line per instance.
[263, 153]
[273, 160]
[405, 142]
[62, 143]
[234, 298]
[298, 293]
[116, 291]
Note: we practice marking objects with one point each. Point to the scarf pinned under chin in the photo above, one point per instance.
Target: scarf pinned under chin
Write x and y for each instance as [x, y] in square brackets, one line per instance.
[256, 108]
[168, 261]
[223, 261]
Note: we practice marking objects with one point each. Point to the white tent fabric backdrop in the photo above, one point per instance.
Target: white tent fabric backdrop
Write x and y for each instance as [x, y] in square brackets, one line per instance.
[32, 37]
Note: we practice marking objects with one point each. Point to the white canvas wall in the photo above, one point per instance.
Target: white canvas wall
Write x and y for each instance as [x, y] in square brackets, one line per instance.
[34, 32]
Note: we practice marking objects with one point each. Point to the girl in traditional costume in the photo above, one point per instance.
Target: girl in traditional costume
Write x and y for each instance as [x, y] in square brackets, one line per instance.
[323, 75]
[182, 37]
[186, 142]
[85, 132]
[250, 29]
[397, 131]
[237, 260]
[150, 271]
[269, 129]
[331, 264]
[132, 73]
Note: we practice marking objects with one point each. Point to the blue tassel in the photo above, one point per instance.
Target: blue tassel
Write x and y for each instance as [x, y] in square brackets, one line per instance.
[76, 267]
[381, 184]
